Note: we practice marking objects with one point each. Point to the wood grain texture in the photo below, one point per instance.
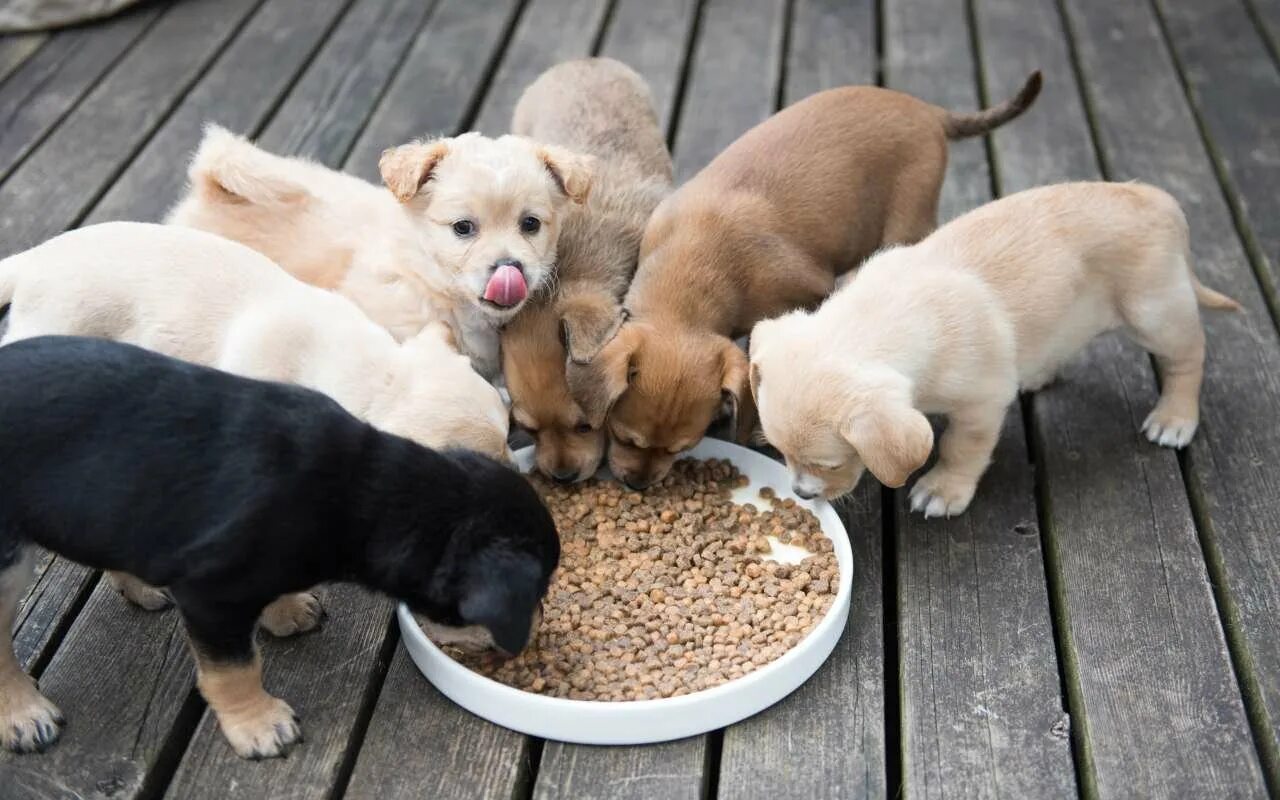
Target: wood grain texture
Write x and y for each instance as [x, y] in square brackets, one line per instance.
[549, 31]
[16, 49]
[927, 53]
[331, 103]
[828, 738]
[77, 162]
[1146, 131]
[982, 712]
[47, 84]
[733, 79]
[419, 744]
[1267, 14]
[124, 679]
[441, 79]
[1235, 89]
[329, 677]
[652, 37]
[238, 92]
[670, 770]
[45, 614]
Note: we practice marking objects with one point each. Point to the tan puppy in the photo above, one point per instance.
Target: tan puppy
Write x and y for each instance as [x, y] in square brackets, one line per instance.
[766, 227]
[601, 108]
[208, 300]
[995, 301]
[466, 234]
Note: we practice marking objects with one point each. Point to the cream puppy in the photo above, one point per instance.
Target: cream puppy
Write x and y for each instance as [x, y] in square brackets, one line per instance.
[992, 302]
[467, 233]
[205, 299]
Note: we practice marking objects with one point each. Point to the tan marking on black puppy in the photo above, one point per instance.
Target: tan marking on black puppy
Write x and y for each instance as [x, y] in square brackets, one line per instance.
[288, 615]
[256, 724]
[28, 721]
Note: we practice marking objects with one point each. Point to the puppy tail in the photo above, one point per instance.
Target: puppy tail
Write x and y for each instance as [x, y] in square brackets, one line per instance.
[962, 125]
[230, 168]
[1210, 298]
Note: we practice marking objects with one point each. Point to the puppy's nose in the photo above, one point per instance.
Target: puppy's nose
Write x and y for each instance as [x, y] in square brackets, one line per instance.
[804, 493]
[636, 484]
[508, 262]
[564, 476]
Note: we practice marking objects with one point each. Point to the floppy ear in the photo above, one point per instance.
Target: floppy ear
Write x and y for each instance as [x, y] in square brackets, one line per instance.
[501, 595]
[571, 172]
[587, 323]
[735, 392]
[892, 439]
[597, 384]
[407, 167]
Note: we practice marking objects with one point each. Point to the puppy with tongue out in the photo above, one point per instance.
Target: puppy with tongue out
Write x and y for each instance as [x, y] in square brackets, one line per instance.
[489, 211]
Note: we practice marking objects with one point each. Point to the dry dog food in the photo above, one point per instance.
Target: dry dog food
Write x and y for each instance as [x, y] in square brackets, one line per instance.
[669, 592]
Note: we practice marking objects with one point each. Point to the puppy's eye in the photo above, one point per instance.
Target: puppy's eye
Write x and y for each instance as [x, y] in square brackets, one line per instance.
[464, 228]
[530, 224]
[582, 428]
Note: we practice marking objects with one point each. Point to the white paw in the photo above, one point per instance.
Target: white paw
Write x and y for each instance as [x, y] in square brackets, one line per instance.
[268, 733]
[1169, 431]
[939, 493]
[29, 723]
[292, 613]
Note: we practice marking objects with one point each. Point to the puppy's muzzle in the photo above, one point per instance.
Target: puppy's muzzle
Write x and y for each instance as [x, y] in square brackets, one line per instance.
[507, 286]
[802, 492]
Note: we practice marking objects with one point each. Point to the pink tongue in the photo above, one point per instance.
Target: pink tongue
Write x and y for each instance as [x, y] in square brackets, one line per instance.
[506, 286]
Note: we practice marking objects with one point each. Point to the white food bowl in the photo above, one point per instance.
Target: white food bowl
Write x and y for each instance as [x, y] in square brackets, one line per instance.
[664, 719]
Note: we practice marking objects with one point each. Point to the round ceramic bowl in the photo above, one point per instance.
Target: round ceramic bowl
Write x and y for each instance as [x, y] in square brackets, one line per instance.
[645, 721]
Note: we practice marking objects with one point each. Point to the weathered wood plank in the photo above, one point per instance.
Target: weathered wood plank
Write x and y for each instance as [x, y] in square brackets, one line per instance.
[442, 78]
[238, 92]
[14, 50]
[329, 677]
[652, 37]
[1267, 13]
[48, 84]
[733, 80]
[329, 106]
[76, 163]
[1233, 82]
[1140, 620]
[419, 744]
[59, 588]
[123, 703]
[670, 770]
[982, 712]
[828, 738]
[549, 31]
[927, 54]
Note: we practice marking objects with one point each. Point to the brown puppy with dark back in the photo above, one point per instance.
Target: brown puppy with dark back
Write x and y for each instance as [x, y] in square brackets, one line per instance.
[764, 228]
[601, 108]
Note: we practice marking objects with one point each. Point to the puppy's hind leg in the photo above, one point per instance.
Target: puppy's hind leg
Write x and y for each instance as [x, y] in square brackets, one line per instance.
[1167, 323]
[138, 592]
[963, 455]
[292, 613]
[229, 675]
[28, 721]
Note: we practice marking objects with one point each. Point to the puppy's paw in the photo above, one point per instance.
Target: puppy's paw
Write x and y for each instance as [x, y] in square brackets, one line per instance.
[940, 493]
[1168, 429]
[292, 613]
[139, 593]
[29, 723]
[267, 732]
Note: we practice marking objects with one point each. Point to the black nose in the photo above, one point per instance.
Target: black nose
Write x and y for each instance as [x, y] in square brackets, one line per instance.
[566, 476]
[636, 484]
[804, 493]
[508, 262]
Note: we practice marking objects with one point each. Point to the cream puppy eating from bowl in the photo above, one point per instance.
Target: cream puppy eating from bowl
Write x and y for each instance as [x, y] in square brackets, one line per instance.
[466, 234]
[205, 299]
[994, 301]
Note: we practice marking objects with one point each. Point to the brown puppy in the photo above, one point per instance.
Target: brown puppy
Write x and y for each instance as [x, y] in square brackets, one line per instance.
[764, 228]
[602, 108]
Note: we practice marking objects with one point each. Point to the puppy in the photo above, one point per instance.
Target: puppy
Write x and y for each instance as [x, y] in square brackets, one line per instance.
[766, 227]
[994, 301]
[601, 108]
[231, 492]
[202, 298]
[466, 235]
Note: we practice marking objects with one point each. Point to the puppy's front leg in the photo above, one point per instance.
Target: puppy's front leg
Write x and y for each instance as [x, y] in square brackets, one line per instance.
[963, 455]
[28, 721]
[229, 675]
[292, 613]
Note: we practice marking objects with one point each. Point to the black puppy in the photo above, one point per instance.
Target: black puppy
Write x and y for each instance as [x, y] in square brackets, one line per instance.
[231, 492]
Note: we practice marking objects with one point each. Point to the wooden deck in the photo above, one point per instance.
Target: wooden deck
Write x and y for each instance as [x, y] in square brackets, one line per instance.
[1104, 621]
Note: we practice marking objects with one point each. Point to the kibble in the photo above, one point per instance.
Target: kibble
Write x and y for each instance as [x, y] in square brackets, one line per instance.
[670, 592]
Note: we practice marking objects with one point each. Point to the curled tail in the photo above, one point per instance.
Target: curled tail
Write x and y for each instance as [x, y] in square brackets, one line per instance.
[1213, 299]
[961, 125]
